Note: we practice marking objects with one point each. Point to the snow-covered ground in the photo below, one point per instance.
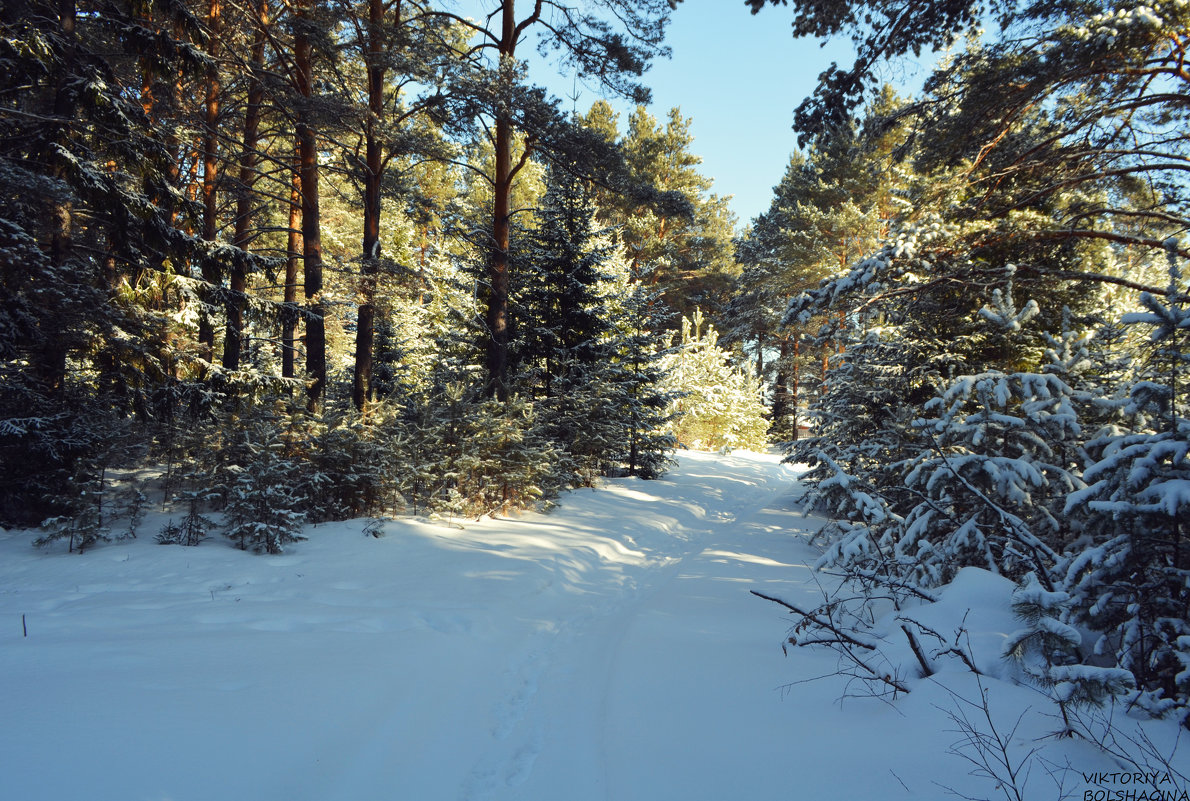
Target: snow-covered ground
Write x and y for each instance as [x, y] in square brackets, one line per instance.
[607, 650]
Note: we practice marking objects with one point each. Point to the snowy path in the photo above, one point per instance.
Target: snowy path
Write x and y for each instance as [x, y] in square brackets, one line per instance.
[664, 676]
[607, 651]
[596, 652]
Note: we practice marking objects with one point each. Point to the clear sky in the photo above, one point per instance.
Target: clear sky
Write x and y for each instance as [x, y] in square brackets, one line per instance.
[738, 77]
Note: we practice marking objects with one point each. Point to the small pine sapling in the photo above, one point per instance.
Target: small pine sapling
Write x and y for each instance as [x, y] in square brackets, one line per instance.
[83, 524]
[261, 512]
[134, 503]
[194, 526]
[994, 466]
[717, 405]
[262, 509]
[1047, 653]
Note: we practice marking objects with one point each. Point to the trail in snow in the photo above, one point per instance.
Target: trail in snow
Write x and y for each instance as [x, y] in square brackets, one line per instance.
[501, 659]
[606, 679]
[606, 651]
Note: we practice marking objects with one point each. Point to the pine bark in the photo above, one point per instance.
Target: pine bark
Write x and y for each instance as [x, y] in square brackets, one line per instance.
[289, 315]
[311, 220]
[365, 332]
[498, 275]
[210, 174]
[245, 211]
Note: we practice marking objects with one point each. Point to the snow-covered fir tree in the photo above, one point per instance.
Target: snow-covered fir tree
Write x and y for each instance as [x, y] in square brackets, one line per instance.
[981, 481]
[895, 356]
[1047, 652]
[637, 346]
[581, 349]
[262, 507]
[718, 405]
[1133, 583]
[990, 481]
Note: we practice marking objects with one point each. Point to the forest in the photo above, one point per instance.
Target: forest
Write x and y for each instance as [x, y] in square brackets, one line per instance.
[311, 260]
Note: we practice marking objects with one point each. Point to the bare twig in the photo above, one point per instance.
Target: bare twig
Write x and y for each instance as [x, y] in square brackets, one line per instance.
[834, 637]
[986, 748]
[817, 620]
[926, 668]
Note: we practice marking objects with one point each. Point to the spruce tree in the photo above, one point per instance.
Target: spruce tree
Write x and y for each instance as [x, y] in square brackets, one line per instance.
[610, 42]
[84, 178]
[1131, 584]
[635, 373]
[577, 352]
[716, 405]
[557, 302]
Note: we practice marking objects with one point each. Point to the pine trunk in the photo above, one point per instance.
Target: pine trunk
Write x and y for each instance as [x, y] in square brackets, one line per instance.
[233, 344]
[311, 221]
[289, 315]
[365, 331]
[210, 174]
[498, 276]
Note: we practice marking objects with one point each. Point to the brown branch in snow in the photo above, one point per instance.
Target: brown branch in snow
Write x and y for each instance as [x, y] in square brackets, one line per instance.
[816, 620]
[918, 652]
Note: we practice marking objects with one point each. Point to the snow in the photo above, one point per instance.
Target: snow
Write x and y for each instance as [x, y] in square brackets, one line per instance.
[607, 650]
[1168, 496]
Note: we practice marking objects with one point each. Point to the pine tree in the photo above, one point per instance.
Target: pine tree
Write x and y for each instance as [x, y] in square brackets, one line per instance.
[1132, 585]
[560, 313]
[974, 476]
[580, 352]
[683, 250]
[834, 205]
[717, 405]
[82, 178]
[988, 475]
[635, 372]
[1047, 652]
[613, 54]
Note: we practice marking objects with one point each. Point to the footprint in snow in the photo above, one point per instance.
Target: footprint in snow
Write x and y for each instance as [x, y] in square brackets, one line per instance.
[521, 766]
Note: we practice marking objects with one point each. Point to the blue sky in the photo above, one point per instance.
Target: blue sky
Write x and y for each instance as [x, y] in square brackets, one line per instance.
[738, 77]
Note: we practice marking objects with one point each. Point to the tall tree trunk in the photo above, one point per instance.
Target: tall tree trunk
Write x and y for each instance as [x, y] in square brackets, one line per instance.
[498, 277]
[311, 221]
[365, 331]
[289, 315]
[780, 388]
[210, 174]
[233, 341]
[797, 380]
